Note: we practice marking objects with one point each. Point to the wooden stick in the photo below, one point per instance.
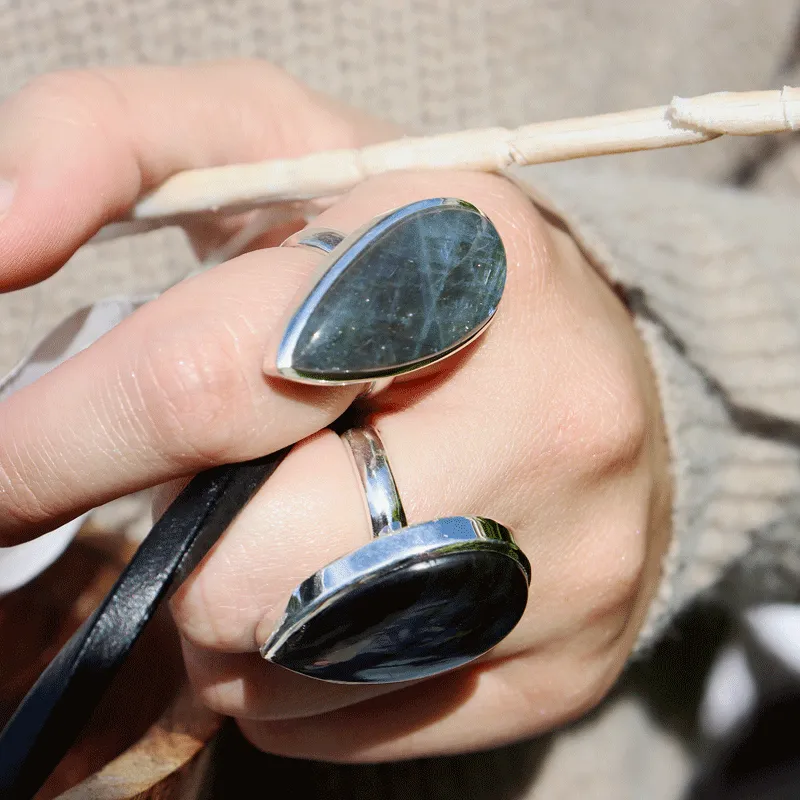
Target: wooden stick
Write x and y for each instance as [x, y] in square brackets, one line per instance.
[684, 121]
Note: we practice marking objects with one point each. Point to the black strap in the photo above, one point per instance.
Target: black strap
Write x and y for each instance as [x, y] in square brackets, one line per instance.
[55, 710]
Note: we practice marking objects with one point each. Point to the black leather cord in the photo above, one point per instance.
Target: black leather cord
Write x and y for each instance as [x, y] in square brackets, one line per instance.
[56, 709]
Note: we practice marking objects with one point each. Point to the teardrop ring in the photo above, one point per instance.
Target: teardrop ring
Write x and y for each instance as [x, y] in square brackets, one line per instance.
[406, 290]
[415, 601]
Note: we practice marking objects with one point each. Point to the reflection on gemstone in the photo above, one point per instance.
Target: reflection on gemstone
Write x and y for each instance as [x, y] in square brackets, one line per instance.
[422, 287]
[411, 623]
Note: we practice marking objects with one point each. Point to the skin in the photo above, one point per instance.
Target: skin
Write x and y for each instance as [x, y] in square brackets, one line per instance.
[550, 423]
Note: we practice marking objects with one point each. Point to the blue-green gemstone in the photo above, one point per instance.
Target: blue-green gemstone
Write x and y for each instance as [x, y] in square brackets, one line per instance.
[424, 285]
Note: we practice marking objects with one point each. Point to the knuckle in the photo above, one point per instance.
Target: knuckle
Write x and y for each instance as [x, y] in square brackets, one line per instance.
[617, 586]
[208, 618]
[204, 670]
[591, 691]
[610, 426]
[197, 395]
[79, 95]
[22, 507]
[575, 685]
[217, 699]
[615, 571]
[88, 101]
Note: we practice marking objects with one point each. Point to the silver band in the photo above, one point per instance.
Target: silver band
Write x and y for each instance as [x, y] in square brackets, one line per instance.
[415, 601]
[376, 387]
[325, 239]
[384, 507]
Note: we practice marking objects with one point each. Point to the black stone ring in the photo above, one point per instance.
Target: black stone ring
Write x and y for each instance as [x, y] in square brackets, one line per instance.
[404, 291]
[414, 602]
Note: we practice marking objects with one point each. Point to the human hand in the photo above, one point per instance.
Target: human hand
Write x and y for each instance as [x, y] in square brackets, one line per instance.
[549, 424]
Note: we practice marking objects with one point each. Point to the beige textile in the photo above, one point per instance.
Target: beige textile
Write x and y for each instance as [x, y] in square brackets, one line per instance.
[711, 273]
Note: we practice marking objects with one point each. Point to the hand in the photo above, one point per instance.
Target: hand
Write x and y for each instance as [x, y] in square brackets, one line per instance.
[550, 423]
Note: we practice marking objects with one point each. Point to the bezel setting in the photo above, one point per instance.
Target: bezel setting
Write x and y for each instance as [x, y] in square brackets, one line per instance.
[334, 264]
[382, 556]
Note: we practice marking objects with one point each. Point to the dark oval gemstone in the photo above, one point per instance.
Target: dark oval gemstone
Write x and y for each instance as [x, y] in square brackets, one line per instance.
[420, 288]
[413, 622]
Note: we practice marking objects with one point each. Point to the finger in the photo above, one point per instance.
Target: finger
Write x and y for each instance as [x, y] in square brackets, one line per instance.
[483, 707]
[174, 389]
[178, 386]
[77, 148]
[306, 515]
[562, 595]
[245, 684]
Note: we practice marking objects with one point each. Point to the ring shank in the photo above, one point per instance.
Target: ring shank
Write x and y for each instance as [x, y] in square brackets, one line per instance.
[383, 502]
[324, 239]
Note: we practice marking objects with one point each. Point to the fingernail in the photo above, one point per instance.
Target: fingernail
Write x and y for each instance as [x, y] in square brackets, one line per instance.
[6, 196]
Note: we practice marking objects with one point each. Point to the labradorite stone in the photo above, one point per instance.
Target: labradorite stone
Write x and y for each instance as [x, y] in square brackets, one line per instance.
[411, 623]
[422, 287]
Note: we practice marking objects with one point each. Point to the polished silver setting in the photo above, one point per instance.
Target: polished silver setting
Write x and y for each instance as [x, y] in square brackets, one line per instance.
[376, 387]
[395, 545]
[324, 239]
[341, 251]
[387, 553]
[384, 507]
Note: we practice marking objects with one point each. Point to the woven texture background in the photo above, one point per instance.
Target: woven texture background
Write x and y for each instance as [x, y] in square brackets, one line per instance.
[431, 65]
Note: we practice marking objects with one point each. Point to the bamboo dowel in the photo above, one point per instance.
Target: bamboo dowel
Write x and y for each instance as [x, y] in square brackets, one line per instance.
[684, 121]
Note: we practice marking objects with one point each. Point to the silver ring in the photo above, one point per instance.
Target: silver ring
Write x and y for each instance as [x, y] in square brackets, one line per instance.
[406, 290]
[324, 239]
[416, 601]
[384, 507]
